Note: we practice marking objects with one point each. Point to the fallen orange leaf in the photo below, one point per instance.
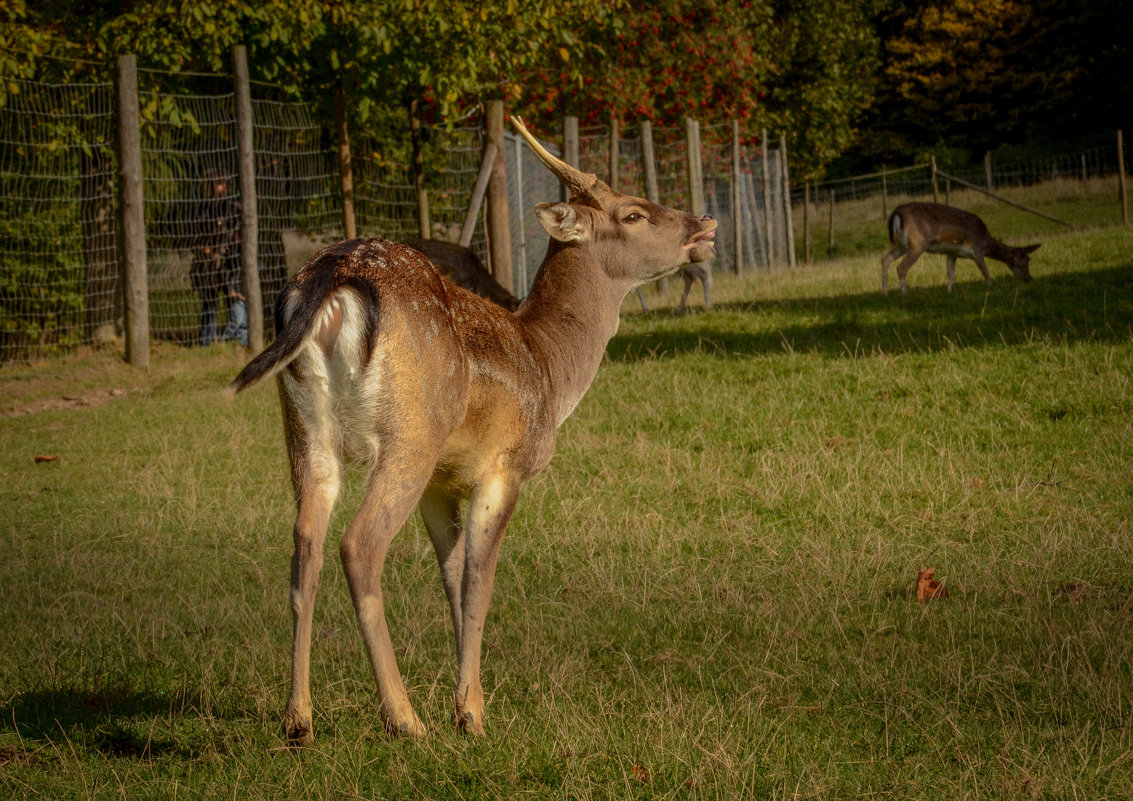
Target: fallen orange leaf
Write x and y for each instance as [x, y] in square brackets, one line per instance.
[928, 588]
[640, 773]
[42, 458]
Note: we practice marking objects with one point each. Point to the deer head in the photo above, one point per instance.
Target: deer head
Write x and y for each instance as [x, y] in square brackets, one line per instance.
[640, 240]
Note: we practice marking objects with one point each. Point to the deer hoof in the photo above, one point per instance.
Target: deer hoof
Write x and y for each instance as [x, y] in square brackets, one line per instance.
[407, 728]
[298, 731]
[466, 723]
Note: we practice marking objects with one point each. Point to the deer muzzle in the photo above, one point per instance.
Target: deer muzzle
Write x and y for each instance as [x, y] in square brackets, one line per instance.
[702, 244]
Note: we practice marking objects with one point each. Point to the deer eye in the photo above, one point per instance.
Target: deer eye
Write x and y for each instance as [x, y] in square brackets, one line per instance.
[633, 217]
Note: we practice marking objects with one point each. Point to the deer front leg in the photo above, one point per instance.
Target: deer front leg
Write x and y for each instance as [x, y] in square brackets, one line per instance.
[983, 269]
[315, 499]
[489, 511]
[688, 279]
[390, 497]
[951, 271]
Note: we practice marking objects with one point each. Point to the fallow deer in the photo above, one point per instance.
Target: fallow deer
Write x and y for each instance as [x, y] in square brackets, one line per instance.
[916, 228]
[447, 400]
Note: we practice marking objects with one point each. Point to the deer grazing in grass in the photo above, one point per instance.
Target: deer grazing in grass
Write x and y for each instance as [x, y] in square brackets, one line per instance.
[447, 400]
[462, 266]
[916, 228]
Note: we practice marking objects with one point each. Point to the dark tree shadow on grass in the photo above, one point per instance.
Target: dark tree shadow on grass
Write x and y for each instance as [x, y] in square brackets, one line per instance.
[1095, 306]
[114, 722]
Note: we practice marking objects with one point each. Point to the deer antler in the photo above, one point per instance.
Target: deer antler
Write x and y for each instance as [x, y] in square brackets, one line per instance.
[584, 186]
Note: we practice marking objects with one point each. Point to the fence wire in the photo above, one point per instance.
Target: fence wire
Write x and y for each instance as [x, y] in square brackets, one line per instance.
[60, 284]
[58, 246]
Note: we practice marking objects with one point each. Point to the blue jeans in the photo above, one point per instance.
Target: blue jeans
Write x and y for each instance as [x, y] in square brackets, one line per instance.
[207, 331]
[237, 327]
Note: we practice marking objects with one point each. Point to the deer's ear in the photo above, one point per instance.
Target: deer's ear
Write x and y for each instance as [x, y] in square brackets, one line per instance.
[562, 222]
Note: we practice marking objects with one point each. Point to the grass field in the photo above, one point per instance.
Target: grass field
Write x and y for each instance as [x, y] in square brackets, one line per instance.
[859, 225]
[707, 595]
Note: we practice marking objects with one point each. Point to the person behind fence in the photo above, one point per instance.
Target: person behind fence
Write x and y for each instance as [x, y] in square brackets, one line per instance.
[215, 266]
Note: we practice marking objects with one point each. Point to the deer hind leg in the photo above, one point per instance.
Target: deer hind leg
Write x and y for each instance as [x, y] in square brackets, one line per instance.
[895, 252]
[489, 511]
[911, 256]
[441, 513]
[315, 495]
[394, 486]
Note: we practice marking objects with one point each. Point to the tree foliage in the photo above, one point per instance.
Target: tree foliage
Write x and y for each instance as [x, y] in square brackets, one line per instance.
[968, 76]
[805, 68]
[884, 78]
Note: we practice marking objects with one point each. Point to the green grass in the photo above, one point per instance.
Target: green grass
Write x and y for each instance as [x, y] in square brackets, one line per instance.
[708, 594]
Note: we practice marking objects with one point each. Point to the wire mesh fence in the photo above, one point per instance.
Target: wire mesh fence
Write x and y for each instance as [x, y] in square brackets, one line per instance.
[60, 283]
[58, 248]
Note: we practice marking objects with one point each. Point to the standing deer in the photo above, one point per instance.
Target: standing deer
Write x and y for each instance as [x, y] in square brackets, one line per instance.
[447, 400]
[915, 228]
[692, 274]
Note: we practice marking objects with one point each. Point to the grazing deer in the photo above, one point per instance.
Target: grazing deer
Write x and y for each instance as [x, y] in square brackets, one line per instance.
[915, 228]
[446, 399]
[462, 266]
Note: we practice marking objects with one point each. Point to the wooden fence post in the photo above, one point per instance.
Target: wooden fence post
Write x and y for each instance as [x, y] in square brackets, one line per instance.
[884, 194]
[935, 196]
[695, 174]
[1121, 179]
[652, 191]
[499, 229]
[768, 238]
[788, 207]
[806, 222]
[737, 206]
[614, 135]
[249, 221]
[987, 171]
[830, 239]
[570, 146]
[751, 229]
[424, 226]
[479, 189]
[345, 170]
[523, 282]
[132, 217]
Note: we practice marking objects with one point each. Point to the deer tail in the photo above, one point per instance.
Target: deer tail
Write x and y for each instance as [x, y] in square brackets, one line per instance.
[298, 312]
[895, 226]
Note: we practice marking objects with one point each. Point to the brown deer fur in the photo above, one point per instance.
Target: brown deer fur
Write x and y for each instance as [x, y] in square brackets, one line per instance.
[447, 400]
[463, 267]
